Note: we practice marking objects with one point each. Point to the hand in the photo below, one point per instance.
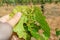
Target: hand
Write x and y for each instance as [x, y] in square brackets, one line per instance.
[12, 21]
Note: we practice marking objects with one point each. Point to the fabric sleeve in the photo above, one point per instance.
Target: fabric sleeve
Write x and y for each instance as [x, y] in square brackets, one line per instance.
[5, 31]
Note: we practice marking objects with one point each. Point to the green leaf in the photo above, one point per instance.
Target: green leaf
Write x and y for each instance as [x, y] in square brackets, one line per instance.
[41, 20]
[34, 33]
[57, 32]
[19, 29]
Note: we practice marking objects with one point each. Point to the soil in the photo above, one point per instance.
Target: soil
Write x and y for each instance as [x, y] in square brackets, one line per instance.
[52, 13]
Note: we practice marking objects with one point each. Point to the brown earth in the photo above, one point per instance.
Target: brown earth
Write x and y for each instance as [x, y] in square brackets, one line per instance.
[51, 11]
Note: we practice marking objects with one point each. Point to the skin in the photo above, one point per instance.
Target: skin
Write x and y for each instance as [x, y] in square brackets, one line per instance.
[12, 21]
[7, 24]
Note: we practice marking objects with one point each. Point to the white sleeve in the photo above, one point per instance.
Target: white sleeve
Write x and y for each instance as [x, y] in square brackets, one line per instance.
[5, 31]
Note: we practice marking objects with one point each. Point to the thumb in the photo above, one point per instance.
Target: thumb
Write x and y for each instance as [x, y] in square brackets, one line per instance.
[15, 19]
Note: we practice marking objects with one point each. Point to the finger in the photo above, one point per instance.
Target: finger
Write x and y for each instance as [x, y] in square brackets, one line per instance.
[4, 18]
[15, 19]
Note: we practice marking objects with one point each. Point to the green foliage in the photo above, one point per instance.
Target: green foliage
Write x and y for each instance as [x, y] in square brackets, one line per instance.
[57, 32]
[28, 1]
[35, 1]
[25, 2]
[27, 26]
[41, 20]
[20, 29]
[34, 32]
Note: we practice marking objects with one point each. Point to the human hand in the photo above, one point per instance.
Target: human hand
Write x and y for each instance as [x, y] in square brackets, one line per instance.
[12, 21]
[6, 25]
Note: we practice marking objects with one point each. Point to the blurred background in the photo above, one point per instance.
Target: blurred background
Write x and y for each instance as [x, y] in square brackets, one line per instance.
[50, 8]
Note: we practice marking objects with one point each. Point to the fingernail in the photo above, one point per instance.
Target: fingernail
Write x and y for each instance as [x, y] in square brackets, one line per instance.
[19, 14]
